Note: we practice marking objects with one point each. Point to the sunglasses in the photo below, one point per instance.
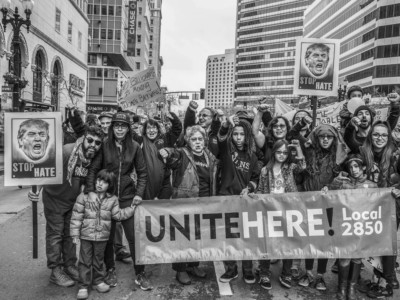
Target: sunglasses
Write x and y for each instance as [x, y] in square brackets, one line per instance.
[90, 141]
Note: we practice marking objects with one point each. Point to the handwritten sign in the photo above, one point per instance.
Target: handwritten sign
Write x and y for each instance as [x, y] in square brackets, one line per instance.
[140, 89]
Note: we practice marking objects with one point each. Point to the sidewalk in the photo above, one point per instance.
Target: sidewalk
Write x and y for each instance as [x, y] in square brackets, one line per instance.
[12, 200]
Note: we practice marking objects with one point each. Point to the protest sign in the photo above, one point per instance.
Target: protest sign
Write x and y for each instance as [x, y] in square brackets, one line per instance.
[330, 114]
[336, 224]
[140, 89]
[34, 155]
[316, 67]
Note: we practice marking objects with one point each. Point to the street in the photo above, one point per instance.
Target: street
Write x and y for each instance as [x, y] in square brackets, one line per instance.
[27, 278]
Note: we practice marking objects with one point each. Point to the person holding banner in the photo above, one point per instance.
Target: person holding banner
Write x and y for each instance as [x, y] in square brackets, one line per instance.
[349, 269]
[378, 153]
[239, 166]
[58, 202]
[325, 152]
[195, 176]
[277, 177]
[121, 155]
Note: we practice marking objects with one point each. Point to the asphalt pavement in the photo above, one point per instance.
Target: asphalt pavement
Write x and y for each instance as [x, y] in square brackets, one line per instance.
[23, 277]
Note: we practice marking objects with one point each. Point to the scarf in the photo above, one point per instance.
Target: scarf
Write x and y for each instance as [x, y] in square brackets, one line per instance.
[77, 151]
[155, 169]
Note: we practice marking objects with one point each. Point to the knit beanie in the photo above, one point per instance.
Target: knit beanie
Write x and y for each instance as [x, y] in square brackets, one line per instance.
[365, 107]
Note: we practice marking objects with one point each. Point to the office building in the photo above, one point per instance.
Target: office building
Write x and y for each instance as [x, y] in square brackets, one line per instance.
[220, 80]
[120, 46]
[265, 47]
[369, 33]
[155, 58]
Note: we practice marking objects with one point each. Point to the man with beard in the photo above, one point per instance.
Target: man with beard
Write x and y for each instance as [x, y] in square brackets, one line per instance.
[59, 200]
[360, 124]
[33, 138]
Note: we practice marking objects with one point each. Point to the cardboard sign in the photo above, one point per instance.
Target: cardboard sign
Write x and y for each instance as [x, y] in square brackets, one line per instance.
[139, 90]
[33, 152]
[316, 67]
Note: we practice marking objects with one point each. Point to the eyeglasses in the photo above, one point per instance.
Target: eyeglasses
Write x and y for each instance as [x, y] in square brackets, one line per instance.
[282, 152]
[121, 126]
[328, 137]
[277, 126]
[382, 136]
[204, 115]
[90, 141]
[200, 139]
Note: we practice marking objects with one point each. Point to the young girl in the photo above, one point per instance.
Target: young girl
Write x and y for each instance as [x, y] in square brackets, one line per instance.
[91, 228]
[277, 177]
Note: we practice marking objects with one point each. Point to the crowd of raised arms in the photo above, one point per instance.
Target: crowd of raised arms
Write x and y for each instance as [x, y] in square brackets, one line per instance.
[115, 161]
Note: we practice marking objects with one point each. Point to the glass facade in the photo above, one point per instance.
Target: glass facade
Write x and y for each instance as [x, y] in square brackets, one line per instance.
[265, 48]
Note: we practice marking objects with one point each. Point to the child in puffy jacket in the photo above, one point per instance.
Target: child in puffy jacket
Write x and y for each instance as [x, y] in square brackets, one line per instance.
[91, 228]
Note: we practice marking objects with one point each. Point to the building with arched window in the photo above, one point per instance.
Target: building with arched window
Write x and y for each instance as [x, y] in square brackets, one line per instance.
[52, 58]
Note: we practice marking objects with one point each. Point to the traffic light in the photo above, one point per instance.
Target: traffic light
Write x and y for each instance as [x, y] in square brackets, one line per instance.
[202, 92]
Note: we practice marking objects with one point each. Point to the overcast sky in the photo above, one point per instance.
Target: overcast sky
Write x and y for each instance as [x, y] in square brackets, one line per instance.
[191, 30]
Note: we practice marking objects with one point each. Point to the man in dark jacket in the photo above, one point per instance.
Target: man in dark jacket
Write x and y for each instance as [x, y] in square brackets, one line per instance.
[59, 200]
[121, 155]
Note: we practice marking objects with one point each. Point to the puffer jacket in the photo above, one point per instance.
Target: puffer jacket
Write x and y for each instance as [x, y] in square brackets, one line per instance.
[186, 180]
[95, 225]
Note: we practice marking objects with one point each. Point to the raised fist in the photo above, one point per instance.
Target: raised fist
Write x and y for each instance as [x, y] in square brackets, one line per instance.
[393, 97]
[263, 108]
[193, 105]
[163, 153]
[355, 121]
[307, 119]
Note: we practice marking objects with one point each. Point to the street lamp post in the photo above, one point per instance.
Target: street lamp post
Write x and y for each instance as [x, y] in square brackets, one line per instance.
[14, 74]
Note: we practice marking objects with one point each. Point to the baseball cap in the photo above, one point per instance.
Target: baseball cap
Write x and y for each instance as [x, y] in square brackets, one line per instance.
[121, 117]
[106, 114]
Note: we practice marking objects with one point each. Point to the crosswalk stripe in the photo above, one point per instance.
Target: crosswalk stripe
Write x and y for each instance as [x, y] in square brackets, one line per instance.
[224, 287]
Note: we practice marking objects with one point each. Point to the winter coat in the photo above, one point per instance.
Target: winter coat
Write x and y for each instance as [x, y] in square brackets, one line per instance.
[266, 183]
[122, 164]
[95, 225]
[361, 183]
[186, 180]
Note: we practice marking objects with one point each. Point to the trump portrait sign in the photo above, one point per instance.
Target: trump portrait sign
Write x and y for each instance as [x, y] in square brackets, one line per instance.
[316, 67]
[33, 148]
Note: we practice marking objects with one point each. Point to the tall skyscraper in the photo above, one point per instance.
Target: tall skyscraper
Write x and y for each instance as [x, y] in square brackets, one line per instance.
[369, 31]
[121, 44]
[265, 47]
[220, 80]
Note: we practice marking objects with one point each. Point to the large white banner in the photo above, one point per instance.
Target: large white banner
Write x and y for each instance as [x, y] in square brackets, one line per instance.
[316, 67]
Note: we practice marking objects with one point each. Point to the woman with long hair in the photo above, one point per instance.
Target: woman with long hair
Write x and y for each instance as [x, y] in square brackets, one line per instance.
[324, 153]
[378, 154]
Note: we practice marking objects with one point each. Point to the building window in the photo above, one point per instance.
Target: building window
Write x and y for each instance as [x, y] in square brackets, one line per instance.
[151, 22]
[139, 38]
[140, 10]
[96, 33]
[151, 46]
[103, 34]
[38, 78]
[150, 62]
[151, 54]
[104, 10]
[96, 9]
[69, 32]
[118, 35]
[90, 9]
[105, 60]
[137, 52]
[99, 73]
[92, 59]
[111, 10]
[139, 24]
[110, 34]
[58, 20]
[55, 85]
[138, 66]
[100, 91]
[79, 40]
[118, 11]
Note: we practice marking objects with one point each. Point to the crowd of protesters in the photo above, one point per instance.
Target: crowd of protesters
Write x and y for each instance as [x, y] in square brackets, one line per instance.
[114, 161]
